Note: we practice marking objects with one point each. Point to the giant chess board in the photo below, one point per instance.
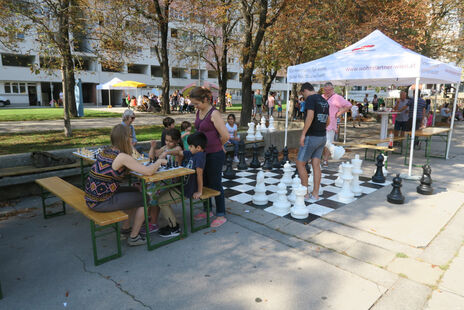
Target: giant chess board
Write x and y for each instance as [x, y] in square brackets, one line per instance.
[241, 189]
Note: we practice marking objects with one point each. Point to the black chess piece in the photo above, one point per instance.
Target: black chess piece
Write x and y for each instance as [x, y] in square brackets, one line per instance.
[255, 161]
[395, 195]
[285, 159]
[275, 159]
[267, 160]
[229, 173]
[308, 168]
[378, 176]
[425, 187]
[242, 165]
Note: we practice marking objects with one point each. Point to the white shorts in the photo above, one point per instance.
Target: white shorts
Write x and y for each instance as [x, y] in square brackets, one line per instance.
[330, 134]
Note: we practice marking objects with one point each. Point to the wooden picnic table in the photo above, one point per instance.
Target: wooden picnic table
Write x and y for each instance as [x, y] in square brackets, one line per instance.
[159, 179]
[427, 134]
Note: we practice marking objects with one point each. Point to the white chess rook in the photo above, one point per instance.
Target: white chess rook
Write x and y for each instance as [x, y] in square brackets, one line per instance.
[299, 209]
[346, 195]
[339, 180]
[260, 197]
[288, 171]
[251, 132]
[355, 188]
[295, 184]
[281, 205]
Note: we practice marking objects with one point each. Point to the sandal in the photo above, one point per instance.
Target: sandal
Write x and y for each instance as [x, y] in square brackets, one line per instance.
[218, 222]
[325, 164]
[202, 216]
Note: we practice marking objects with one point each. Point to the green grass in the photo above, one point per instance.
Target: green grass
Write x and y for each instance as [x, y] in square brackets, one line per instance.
[53, 140]
[40, 114]
[401, 255]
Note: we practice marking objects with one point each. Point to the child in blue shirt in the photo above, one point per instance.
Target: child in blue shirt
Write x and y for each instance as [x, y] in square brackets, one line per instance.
[195, 159]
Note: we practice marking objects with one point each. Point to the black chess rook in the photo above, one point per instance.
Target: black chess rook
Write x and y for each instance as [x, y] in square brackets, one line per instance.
[255, 161]
[242, 165]
[395, 195]
[275, 159]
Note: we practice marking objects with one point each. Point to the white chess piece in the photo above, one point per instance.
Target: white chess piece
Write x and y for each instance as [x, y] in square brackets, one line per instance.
[271, 124]
[295, 184]
[346, 195]
[281, 206]
[339, 180]
[288, 171]
[263, 124]
[260, 197]
[251, 132]
[258, 135]
[355, 188]
[299, 209]
[385, 171]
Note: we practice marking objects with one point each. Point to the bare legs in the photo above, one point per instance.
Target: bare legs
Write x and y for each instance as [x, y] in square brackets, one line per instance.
[316, 164]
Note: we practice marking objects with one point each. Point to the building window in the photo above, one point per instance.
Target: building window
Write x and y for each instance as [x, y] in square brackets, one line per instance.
[7, 88]
[173, 33]
[22, 88]
[17, 60]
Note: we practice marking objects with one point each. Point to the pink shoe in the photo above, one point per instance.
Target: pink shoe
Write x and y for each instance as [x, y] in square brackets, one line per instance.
[218, 222]
[202, 216]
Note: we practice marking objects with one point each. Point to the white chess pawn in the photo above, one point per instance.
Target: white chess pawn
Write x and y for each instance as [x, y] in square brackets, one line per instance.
[339, 180]
[356, 171]
[299, 209]
[260, 197]
[281, 206]
[346, 195]
[295, 184]
[263, 124]
[258, 135]
[271, 124]
[251, 132]
[288, 171]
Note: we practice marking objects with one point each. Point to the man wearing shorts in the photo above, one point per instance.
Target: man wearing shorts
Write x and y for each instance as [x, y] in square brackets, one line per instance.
[402, 117]
[313, 138]
[258, 103]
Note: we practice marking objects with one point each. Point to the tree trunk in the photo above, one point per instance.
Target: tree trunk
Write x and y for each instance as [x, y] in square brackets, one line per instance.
[165, 65]
[267, 82]
[68, 87]
[247, 100]
[222, 76]
[66, 116]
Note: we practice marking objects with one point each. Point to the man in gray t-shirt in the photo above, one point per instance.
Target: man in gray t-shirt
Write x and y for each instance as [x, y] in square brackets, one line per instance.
[402, 117]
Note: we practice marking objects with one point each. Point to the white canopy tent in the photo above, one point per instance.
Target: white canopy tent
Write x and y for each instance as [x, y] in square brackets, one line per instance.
[377, 60]
[107, 86]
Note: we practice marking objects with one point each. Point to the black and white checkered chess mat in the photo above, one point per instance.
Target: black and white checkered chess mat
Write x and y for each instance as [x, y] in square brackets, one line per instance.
[241, 189]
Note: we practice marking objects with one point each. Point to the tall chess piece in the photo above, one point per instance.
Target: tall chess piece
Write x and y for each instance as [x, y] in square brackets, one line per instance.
[229, 173]
[355, 188]
[271, 124]
[285, 159]
[378, 176]
[260, 197]
[295, 184]
[308, 168]
[339, 180]
[255, 161]
[258, 135]
[346, 195]
[425, 187]
[395, 195]
[299, 209]
[251, 132]
[287, 177]
[242, 165]
[263, 124]
[281, 206]
[275, 159]
[267, 160]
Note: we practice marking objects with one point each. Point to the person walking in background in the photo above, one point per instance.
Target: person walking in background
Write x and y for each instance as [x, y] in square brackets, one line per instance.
[209, 121]
[258, 102]
[355, 115]
[402, 117]
[271, 103]
[338, 107]
[366, 105]
[375, 103]
[420, 112]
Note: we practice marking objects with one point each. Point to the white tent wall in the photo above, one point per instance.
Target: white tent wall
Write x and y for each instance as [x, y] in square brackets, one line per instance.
[376, 60]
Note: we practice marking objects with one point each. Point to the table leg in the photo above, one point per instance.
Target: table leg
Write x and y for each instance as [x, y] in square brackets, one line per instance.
[184, 217]
[145, 210]
[82, 173]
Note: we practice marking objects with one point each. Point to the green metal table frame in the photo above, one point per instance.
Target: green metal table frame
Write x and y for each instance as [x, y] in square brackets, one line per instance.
[174, 189]
[93, 230]
[428, 145]
[203, 203]
[374, 157]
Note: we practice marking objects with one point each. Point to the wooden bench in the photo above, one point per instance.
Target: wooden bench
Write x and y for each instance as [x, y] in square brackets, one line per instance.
[74, 197]
[207, 193]
[365, 147]
[395, 139]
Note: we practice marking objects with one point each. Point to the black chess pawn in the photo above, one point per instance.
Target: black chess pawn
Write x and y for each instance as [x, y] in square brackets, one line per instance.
[229, 173]
[255, 161]
[378, 176]
[242, 165]
[395, 195]
[308, 168]
[267, 160]
[275, 159]
[425, 187]
[285, 159]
